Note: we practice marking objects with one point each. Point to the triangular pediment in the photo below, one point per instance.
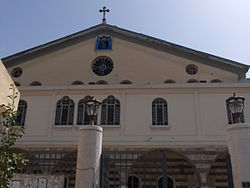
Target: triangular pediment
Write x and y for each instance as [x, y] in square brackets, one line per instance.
[137, 54]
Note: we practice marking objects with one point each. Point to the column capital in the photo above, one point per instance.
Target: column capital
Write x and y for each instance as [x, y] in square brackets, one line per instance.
[91, 128]
[237, 126]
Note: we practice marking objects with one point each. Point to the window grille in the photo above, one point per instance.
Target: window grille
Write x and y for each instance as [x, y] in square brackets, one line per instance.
[133, 182]
[21, 115]
[110, 114]
[159, 112]
[102, 66]
[245, 184]
[64, 111]
[17, 72]
[52, 163]
[143, 169]
[170, 182]
[191, 69]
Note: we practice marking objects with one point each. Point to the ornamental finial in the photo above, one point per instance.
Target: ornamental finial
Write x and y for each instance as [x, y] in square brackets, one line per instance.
[103, 11]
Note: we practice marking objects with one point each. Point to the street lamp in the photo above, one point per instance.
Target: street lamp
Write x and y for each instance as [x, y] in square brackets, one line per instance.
[92, 105]
[89, 147]
[236, 106]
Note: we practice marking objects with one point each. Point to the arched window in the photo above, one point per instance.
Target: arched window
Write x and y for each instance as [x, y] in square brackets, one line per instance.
[169, 81]
[82, 116]
[101, 82]
[126, 82]
[133, 182]
[170, 182]
[77, 82]
[35, 83]
[110, 111]
[159, 112]
[192, 81]
[22, 108]
[64, 111]
[216, 81]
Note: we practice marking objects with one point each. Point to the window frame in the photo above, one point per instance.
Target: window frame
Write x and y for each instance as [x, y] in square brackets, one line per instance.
[21, 112]
[191, 69]
[160, 106]
[17, 72]
[168, 177]
[102, 66]
[61, 108]
[110, 111]
[132, 185]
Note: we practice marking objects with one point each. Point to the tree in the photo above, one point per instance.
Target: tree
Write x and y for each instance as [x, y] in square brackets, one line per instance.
[10, 132]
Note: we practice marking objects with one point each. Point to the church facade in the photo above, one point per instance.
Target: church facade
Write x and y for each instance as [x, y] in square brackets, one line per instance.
[163, 109]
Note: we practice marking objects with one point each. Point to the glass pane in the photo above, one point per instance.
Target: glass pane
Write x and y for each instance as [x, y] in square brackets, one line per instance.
[159, 112]
[169, 182]
[22, 107]
[110, 111]
[110, 115]
[64, 118]
[103, 115]
[159, 115]
[117, 115]
[71, 115]
[80, 114]
[133, 182]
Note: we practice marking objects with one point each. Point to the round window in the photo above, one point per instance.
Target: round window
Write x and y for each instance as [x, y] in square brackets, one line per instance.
[191, 69]
[102, 66]
[16, 72]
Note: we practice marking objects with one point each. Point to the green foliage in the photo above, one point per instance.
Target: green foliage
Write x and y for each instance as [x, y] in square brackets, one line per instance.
[10, 132]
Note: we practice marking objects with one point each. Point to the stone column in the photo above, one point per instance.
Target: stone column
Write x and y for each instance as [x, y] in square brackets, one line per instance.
[238, 137]
[88, 156]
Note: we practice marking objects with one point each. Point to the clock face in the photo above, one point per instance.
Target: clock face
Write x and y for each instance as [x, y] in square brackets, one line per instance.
[102, 66]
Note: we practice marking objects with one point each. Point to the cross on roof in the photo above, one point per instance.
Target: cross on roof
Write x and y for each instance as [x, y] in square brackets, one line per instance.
[103, 11]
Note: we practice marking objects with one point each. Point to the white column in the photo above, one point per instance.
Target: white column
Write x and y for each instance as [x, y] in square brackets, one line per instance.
[238, 137]
[88, 156]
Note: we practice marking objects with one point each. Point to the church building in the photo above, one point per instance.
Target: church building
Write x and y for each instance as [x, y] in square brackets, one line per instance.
[163, 111]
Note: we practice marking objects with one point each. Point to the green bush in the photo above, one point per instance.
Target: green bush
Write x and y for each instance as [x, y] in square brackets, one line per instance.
[10, 132]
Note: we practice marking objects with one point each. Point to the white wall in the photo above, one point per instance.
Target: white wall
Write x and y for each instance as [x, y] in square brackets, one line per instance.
[5, 84]
[197, 115]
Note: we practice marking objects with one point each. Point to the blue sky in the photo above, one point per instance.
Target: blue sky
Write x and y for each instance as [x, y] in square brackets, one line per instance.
[219, 27]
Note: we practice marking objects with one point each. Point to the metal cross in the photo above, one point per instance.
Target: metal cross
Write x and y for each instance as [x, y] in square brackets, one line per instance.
[103, 11]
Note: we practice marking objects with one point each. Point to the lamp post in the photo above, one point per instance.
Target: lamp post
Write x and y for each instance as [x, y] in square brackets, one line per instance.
[92, 106]
[89, 148]
[236, 106]
[238, 134]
